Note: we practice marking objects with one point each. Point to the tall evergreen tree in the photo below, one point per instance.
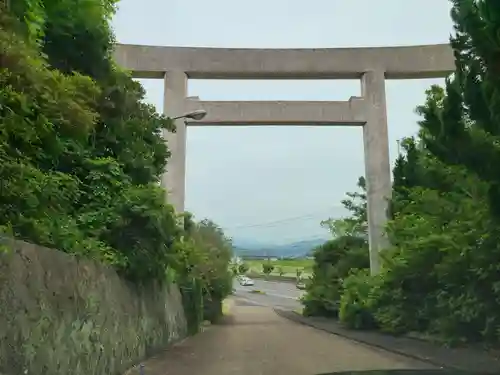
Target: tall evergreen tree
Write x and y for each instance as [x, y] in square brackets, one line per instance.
[465, 130]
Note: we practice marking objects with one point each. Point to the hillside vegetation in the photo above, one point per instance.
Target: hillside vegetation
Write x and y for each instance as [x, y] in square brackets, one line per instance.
[81, 154]
[440, 275]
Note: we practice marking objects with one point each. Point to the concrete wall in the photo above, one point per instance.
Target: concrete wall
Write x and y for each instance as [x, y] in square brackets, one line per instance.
[61, 316]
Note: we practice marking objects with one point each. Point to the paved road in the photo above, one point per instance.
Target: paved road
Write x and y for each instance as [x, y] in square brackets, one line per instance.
[277, 294]
[276, 288]
[256, 341]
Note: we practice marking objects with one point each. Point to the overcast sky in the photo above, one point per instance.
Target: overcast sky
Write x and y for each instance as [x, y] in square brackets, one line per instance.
[277, 183]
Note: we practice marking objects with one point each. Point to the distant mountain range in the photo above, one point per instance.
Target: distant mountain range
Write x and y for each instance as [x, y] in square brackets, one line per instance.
[298, 249]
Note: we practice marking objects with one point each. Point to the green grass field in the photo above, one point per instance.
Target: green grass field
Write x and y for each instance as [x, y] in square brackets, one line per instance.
[288, 266]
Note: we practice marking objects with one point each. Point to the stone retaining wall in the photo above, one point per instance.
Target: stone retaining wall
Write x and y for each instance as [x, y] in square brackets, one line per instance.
[60, 315]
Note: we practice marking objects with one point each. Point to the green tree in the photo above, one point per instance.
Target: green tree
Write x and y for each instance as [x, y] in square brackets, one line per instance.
[332, 263]
[334, 260]
[357, 223]
[462, 127]
[298, 273]
[119, 149]
[38, 127]
[234, 269]
[439, 276]
[216, 248]
[243, 268]
[202, 262]
[281, 271]
[267, 268]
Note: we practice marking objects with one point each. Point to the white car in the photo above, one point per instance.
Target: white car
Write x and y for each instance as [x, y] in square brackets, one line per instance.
[245, 281]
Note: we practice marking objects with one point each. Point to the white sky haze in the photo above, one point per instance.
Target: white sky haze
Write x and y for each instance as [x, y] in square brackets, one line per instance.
[290, 177]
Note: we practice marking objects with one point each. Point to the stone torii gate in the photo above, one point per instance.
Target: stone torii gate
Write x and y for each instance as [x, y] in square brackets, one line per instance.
[372, 66]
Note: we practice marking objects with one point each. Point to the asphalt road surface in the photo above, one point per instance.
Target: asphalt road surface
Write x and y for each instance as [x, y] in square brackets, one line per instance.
[254, 340]
[275, 294]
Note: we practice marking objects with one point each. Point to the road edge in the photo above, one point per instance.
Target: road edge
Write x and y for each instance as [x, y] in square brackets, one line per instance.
[460, 359]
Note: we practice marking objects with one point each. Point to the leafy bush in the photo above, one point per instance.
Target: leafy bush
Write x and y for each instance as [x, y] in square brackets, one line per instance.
[204, 256]
[333, 262]
[243, 268]
[355, 310]
[298, 273]
[234, 269]
[192, 300]
[267, 268]
[440, 282]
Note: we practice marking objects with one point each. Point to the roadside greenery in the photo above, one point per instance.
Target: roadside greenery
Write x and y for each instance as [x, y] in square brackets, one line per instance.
[267, 268]
[81, 154]
[243, 268]
[335, 259]
[440, 275]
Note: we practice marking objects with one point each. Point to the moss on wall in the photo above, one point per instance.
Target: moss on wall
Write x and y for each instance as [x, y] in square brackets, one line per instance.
[62, 315]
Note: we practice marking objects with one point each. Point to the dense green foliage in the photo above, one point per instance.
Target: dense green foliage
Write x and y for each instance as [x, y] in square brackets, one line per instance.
[243, 268]
[202, 270]
[440, 275]
[81, 153]
[334, 260]
[267, 268]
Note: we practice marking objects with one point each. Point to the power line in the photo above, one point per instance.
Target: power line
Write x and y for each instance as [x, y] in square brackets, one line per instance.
[307, 221]
[288, 239]
[285, 220]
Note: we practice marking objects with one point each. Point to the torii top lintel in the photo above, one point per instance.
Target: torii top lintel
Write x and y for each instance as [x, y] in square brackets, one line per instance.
[403, 62]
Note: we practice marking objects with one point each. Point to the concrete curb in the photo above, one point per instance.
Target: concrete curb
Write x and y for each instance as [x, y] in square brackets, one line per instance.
[461, 359]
